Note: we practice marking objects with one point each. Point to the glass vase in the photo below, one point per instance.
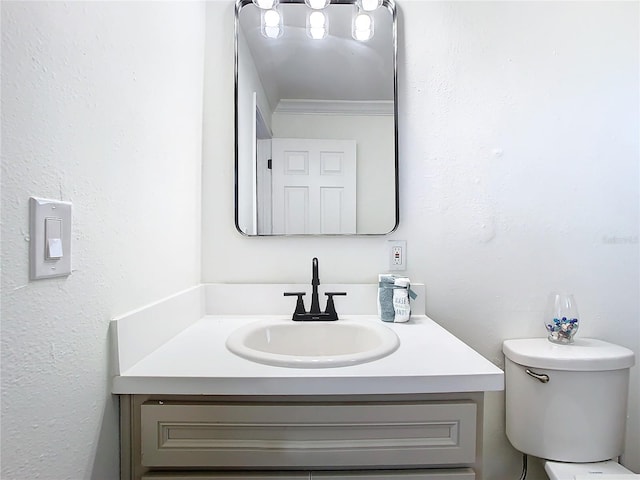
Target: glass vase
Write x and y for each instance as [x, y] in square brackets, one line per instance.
[562, 318]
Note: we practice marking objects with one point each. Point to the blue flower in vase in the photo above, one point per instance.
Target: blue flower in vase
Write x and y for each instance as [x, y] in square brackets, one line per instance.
[564, 322]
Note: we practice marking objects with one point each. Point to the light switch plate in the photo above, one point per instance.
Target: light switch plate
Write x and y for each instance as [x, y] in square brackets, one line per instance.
[42, 212]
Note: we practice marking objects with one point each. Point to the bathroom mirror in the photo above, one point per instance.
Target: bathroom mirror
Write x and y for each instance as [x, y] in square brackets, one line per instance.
[316, 119]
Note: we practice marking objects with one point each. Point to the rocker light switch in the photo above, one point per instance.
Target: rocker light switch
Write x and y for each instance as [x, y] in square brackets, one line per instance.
[54, 249]
[53, 238]
[49, 238]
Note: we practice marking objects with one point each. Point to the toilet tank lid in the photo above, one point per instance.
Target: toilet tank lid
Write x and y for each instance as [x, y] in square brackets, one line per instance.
[585, 354]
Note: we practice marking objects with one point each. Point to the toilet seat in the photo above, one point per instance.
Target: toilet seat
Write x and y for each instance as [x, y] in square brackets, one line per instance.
[609, 470]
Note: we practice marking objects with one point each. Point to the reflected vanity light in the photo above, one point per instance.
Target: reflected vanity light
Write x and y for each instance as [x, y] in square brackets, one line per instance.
[362, 27]
[318, 28]
[266, 4]
[317, 25]
[271, 23]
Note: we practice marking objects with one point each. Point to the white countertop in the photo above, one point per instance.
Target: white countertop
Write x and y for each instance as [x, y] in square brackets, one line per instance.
[196, 362]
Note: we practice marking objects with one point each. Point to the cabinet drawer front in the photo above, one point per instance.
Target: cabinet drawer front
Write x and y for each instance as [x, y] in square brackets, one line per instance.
[228, 476]
[433, 474]
[454, 474]
[308, 435]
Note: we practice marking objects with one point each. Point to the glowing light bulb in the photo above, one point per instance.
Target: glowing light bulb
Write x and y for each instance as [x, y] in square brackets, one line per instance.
[265, 4]
[271, 18]
[317, 20]
[362, 22]
[272, 32]
[271, 23]
[362, 27]
[363, 35]
[317, 33]
[317, 25]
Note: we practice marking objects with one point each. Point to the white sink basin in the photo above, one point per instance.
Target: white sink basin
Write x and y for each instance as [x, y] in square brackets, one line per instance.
[286, 343]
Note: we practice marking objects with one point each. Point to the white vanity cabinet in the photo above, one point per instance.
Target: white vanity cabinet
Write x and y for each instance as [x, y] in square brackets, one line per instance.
[191, 409]
[340, 437]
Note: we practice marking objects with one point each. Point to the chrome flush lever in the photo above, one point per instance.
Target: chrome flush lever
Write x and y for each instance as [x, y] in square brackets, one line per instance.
[544, 378]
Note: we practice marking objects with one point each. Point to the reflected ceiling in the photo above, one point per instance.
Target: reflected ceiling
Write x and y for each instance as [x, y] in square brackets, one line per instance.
[341, 68]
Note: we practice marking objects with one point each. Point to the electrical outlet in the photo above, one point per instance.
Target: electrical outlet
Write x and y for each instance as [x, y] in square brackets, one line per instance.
[397, 255]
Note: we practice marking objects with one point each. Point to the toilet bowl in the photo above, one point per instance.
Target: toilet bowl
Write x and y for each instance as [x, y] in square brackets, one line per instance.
[554, 396]
[608, 470]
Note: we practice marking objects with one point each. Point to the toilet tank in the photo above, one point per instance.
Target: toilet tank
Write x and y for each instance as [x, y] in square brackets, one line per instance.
[579, 414]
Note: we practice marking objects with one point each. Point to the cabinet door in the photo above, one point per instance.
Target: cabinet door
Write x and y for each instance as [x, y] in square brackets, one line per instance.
[308, 436]
[431, 474]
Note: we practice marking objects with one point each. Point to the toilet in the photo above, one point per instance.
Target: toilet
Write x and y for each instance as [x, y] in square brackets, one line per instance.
[567, 404]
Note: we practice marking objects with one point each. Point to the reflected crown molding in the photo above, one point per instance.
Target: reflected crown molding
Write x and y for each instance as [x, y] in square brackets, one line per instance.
[335, 107]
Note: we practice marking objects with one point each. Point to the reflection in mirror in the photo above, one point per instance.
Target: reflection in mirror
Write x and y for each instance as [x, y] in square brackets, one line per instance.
[316, 131]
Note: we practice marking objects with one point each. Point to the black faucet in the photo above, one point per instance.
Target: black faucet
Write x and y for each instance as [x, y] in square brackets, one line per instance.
[315, 281]
[314, 314]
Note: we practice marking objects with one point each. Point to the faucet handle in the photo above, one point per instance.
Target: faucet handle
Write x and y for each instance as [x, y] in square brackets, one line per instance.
[299, 304]
[331, 308]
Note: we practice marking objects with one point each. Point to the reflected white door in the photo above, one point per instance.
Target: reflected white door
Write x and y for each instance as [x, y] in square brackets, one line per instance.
[263, 152]
[314, 186]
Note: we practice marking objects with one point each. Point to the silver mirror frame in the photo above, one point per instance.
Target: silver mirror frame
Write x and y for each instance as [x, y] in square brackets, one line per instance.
[389, 5]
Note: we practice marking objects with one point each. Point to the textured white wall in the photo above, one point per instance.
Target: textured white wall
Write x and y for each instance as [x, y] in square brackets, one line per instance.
[101, 106]
[519, 174]
[519, 126]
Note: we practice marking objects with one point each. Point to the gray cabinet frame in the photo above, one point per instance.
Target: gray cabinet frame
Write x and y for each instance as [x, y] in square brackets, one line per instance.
[412, 437]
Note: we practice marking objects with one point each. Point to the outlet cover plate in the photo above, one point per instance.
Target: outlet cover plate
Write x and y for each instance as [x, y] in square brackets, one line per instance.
[397, 255]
